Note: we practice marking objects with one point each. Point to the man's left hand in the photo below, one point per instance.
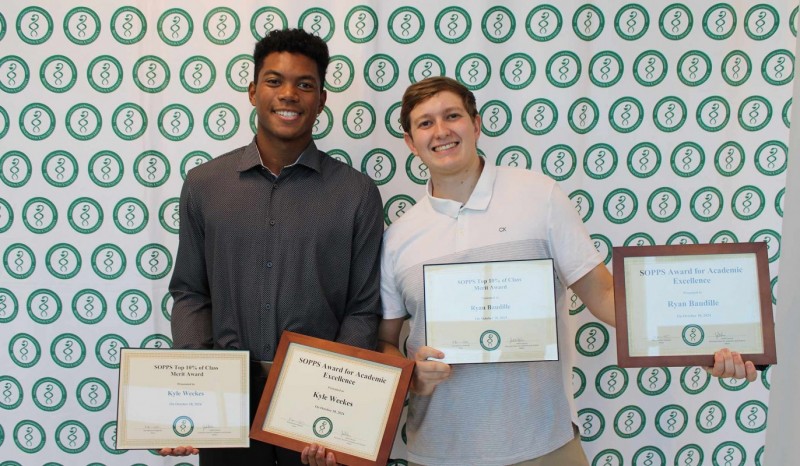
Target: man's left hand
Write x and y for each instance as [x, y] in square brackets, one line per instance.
[729, 364]
[314, 455]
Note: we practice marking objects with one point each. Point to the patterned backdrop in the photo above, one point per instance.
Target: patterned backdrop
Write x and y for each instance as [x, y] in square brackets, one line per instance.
[665, 122]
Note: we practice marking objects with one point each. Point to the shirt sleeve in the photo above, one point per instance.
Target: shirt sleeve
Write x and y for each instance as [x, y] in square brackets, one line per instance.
[362, 314]
[191, 311]
[391, 299]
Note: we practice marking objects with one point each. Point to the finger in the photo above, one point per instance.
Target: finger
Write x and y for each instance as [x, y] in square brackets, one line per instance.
[426, 352]
[750, 370]
[304, 456]
[330, 459]
[730, 369]
[165, 451]
[738, 365]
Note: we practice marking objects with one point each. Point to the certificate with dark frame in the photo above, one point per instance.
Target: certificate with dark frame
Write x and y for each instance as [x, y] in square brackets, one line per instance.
[677, 305]
[347, 399]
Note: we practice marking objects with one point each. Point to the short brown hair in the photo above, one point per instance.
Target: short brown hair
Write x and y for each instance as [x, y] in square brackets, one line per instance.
[423, 90]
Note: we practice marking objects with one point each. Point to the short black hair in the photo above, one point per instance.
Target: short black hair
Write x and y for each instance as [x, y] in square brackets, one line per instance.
[292, 41]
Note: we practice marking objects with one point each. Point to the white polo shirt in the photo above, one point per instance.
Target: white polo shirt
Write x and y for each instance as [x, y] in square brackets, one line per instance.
[488, 414]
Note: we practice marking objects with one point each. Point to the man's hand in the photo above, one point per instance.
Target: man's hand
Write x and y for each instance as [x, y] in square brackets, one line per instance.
[314, 455]
[428, 374]
[729, 364]
[179, 451]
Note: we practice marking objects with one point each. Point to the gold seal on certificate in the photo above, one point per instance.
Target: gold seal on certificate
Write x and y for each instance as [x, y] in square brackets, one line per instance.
[344, 398]
[169, 398]
[502, 311]
[677, 305]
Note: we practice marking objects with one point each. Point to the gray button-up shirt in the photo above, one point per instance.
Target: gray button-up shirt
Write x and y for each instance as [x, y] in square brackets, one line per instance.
[260, 254]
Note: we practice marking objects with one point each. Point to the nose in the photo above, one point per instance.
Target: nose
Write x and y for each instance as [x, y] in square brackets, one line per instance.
[440, 129]
[288, 92]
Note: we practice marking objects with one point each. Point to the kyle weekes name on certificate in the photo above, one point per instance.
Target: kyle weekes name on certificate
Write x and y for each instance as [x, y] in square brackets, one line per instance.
[691, 276]
[338, 374]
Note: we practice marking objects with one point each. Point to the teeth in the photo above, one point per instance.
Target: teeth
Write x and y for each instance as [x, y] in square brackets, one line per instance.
[286, 114]
[444, 147]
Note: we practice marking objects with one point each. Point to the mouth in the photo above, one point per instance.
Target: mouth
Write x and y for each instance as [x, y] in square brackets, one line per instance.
[445, 147]
[287, 114]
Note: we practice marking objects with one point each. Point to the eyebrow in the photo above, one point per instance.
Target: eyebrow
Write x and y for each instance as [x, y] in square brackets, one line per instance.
[268, 72]
[454, 108]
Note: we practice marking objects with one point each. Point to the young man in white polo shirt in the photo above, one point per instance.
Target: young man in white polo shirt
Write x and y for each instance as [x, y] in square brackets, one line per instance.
[487, 414]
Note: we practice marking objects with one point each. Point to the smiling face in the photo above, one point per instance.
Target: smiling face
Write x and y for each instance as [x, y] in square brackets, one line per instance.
[288, 96]
[443, 135]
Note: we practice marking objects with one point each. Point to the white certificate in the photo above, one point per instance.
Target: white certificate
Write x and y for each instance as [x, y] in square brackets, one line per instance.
[501, 311]
[169, 398]
[693, 304]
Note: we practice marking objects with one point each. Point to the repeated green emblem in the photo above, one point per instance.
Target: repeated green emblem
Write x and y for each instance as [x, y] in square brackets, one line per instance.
[653, 381]
[453, 25]
[24, 350]
[729, 453]
[406, 25]
[771, 158]
[19, 261]
[9, 306]
[761, 21]
[319, 22]
[151, 74]
[639, 239]
[747, 202]
[107, 350]
[267, 19]
[169, 215]
[588, 22]
[591, 339]
[82, 25]
[650, 68]
[626, 114]
[694, 68]
[664, 204]
[751, 416]
[425, 66]
[600, 161]
[322, 125]
[687, 159]
[498, 24]
[39, 215]
[108, 261]
[773, 240]
[724, 236]
[361, 24]
[620, 205]
[707, 204]
[563, 69]
[11, 394]
[603, 245]
[583, 115]
[543, 23]
[416, 170]
[710, 417]
[239, 72]
[396, 207]
[631, 21]
[578, 382]
[198, 74]
[221, 122]
[48, 394]
[682, 237]
[84, 121]
[694, 380]
[108, 438]
[340, 74]
[157, 341]
[14, 74]
[381, 72]
[128, 25]
[379, 164]
[611, 382]
[729, 158]
[606, 69]
[72, 437]
[34, 25]
[134, 307]
[175, 122]
[359, 120]
[151, 169]
[175, 27]
[755, 113]
[719, 21]
[669, 114]
[44, 306]
[517, 71]
[609, 457]
[60, 169]
[89, 306]
[495, 118]
[68, 350]
[58, 74]
[786, 114]
[629, 422]
[37, 121]
[644, 159]
[676, 21]
[736, 68]
[514, 156]
[539, 116]
[341, 156]
[106, 169]
[29, 436]
[5, 124]
[474, 71]
[778, 203]
[591, 424]
[63, 261]
[166, 306]
[559, 162]
[193, 159]
[93, 394]
[649, 456]
[671, 420]
[221, 25]
[154, 261]
[104, 74]
[689, 455]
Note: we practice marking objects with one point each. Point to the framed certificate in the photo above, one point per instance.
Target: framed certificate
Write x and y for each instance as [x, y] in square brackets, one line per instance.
[344, 398]
[677, 305]
[481, 312]
[169, 398]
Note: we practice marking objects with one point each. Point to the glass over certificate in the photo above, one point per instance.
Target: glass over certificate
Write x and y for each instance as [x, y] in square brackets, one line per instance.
[344, 398]
[169, 398]
[677, 305]
[481, 312]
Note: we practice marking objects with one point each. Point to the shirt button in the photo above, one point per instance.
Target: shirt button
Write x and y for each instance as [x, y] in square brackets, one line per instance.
[269, 347]
[269, 264]
[269, 306]
[272, 222]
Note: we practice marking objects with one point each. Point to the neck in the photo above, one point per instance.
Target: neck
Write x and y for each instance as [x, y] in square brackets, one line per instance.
[276, 153]
[457, 186]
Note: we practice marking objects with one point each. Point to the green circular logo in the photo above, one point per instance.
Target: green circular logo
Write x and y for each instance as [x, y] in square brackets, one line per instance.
[106, 169]
[93, 394]
[591, 424]
[778, 203]
[719, 22]
[396, 207]
[341, 77]
[707, 204]
[39, 215]
[632, 21]
[644, 159]
[724, 236]
[193, 159]
[736, 68]
[68, 350]
[694, 380]
[583, 115]
[84, 121]
[710, 417]
[154, 261]
[517, 71]
[648, 455]
[29, 436]
[610, 457]
[108, 438]
[197, 74]
[498, 24]
[751, 416]
[664, 204]
[543, 23]
[453, 25]
[620, 206]
[151, 74]
[379, 164]
[58, 74]
[474, 71]
[693, 335]
[4, 122]
[576, 306]
[729, 453]
[60, 169]
[9, 306]
[729, 158]
[183, 426]
[539, 117]
[24, 350]
[747, 202]
[611, 382]
[151, 169]
[134, 307]
[89, 306]
[14, 74]
[359, 120]
[588, 22]
[37, 121]
[169, 215]
[653, 381]
[11, 392]
[425, 66]
[559, 162]
[786, 114]
[578, 382]
[19, 261]
[754, 113]
[600, 161]
[63, 261]
[267, 19]
[318, 22]
[771, 158]
[489, 340]
[792, 25]
[606, 69]
[322, 427]
[34, 25]
[243, 67]
[392, 121]
[687, 159]
[157, 341]
[44, 306]
[682, 237]
[322, 125]
[175, 27]
[361, 24]
[108, 348]
[381, 72]
[128, 25]
[626, 114]
[773, 240]
[761, 21]
[766, 375]
[650, 68]
[81, 26]
[416, 170]
[563, 69]
[129, 121]
[221, 25]
[675, 21]
[6, 216]
[406, 25]
[495, 118]
[603, 246]
[341, 156]
[591, 339]
[175, 122]
[85, 215]
[221, 121]
[512, 156]
[669, 114]
[694, 68]
[104, 74]
[108, 261]
[49, 394]
[629, 422]
[584, 205]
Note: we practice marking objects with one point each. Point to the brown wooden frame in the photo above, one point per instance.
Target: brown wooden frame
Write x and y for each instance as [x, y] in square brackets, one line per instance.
[405, 365]
[624, 359]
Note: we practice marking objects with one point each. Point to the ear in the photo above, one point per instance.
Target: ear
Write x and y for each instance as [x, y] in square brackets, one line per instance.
[410, 143]
[323, 97]
[251, 93]
[476, 122]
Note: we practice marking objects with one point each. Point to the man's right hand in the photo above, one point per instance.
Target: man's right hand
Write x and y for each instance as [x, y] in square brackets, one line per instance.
[178, 451]
[428, 374]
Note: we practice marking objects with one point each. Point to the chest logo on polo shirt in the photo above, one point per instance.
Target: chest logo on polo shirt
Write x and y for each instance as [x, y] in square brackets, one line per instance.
[502, 229]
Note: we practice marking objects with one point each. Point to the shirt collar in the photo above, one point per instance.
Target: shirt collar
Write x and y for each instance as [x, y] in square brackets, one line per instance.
[311, 157]
[478, 200]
